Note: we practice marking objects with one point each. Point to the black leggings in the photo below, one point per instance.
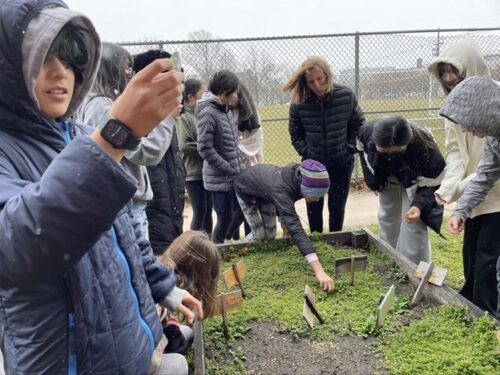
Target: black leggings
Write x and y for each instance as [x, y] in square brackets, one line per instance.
[340, 179]
[201, 203]
[233, 230]
[481, 250]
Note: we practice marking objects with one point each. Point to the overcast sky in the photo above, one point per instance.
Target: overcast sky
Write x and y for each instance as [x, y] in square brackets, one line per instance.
[125, 20]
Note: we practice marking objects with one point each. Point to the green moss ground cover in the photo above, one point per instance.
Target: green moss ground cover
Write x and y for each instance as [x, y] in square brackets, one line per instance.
[275, 285]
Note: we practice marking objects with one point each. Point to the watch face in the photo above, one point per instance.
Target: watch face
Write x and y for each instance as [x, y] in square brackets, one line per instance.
[118, 135]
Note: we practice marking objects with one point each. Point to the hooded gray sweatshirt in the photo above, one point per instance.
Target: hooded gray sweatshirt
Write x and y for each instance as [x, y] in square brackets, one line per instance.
[475, 104]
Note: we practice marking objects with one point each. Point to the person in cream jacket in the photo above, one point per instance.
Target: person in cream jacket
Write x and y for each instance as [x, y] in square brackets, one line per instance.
[463, 152]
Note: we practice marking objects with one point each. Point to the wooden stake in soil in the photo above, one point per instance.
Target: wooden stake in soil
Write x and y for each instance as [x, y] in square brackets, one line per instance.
[420, 288]
[309, 311]
[385, 306]
[224, 317]
[199, 347]
[438, 274]
[228, 302]
[351, 264]
[235, 276]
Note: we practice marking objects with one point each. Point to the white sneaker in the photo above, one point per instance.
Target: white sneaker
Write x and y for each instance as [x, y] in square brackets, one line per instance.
[250, 237]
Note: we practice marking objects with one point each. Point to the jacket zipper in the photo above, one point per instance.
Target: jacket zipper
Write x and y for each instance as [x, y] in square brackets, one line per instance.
[235, 140]
[72, 358]
[126, 266]
[324, 129]
[66, 133]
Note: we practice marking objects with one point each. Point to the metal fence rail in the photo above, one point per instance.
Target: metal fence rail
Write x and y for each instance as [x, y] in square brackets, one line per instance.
[387, 71]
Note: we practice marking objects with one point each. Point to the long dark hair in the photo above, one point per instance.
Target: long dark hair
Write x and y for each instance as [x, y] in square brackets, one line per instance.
[143, 59]
[442, 68]
[421, 142]
[248, 118]
[224, 82]
[392, 132]
[191, 87]
[112, 76]
[396, 131]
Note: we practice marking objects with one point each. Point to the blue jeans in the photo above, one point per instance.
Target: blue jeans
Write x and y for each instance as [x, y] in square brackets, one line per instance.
[223, 206]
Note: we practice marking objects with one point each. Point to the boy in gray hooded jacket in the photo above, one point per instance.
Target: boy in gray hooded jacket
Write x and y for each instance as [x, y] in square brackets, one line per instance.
[475, 106]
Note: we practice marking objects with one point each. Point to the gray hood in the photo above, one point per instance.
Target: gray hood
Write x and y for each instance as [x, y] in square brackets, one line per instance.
[210, 99]
[466, 56]
[40, 34]
[475, 103]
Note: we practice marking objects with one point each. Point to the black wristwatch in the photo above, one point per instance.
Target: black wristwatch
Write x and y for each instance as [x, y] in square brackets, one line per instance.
[119, 135]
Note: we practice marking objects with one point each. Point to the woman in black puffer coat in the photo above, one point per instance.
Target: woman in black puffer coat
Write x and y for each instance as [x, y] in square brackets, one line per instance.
[323, 125]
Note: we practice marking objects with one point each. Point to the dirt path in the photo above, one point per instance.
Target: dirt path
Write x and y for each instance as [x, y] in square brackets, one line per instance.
[361, 210]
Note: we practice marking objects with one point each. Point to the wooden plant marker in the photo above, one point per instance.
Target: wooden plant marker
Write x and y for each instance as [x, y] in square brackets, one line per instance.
[420, 287]
[351, 264]
[309, 310]
[438, 274]
[232, 301]
[235, 276]
[385, 306]
[199, 347]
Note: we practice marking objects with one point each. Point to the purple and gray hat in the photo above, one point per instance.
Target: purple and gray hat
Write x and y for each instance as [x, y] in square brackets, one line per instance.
[315, 180]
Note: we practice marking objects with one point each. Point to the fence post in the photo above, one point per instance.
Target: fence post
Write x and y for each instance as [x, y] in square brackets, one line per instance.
[356, 92]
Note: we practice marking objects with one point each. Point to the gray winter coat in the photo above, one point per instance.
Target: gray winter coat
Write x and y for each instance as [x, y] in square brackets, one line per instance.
[217, 144]
[78, 282]
[475, 104]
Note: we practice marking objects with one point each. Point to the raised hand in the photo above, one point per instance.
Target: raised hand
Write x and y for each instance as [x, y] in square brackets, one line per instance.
[150, 96]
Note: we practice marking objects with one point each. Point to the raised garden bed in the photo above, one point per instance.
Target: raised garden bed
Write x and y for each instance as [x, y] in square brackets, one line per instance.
[443, 334]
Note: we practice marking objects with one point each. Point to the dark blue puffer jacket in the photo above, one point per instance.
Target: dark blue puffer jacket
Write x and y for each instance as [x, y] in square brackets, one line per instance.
[78, 281]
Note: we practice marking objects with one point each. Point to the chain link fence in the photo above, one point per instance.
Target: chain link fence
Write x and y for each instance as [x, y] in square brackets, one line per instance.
[387, 71]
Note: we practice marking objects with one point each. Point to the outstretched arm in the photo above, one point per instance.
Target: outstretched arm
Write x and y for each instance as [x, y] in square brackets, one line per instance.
[291, 221]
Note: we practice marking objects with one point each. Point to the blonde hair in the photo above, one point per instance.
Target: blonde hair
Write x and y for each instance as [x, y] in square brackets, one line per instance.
[297, 85]
[196, 262]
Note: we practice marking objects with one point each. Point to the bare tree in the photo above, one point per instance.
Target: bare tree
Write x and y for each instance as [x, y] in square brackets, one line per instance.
[205, 56]
[263, 77]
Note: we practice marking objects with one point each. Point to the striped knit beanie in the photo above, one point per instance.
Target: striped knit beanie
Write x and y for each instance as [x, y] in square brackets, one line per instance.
[315, 180]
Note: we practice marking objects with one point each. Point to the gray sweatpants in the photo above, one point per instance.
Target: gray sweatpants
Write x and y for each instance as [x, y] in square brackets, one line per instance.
[261, 217]
[411, 240]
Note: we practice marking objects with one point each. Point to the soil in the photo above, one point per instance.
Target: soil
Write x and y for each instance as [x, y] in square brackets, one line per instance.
[270, 352]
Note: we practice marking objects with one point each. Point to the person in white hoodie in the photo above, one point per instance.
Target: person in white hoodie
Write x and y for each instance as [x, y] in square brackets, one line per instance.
[463, 153]
[115, 70]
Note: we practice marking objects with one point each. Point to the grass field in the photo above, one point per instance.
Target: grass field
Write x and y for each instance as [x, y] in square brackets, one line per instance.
[278, 149]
